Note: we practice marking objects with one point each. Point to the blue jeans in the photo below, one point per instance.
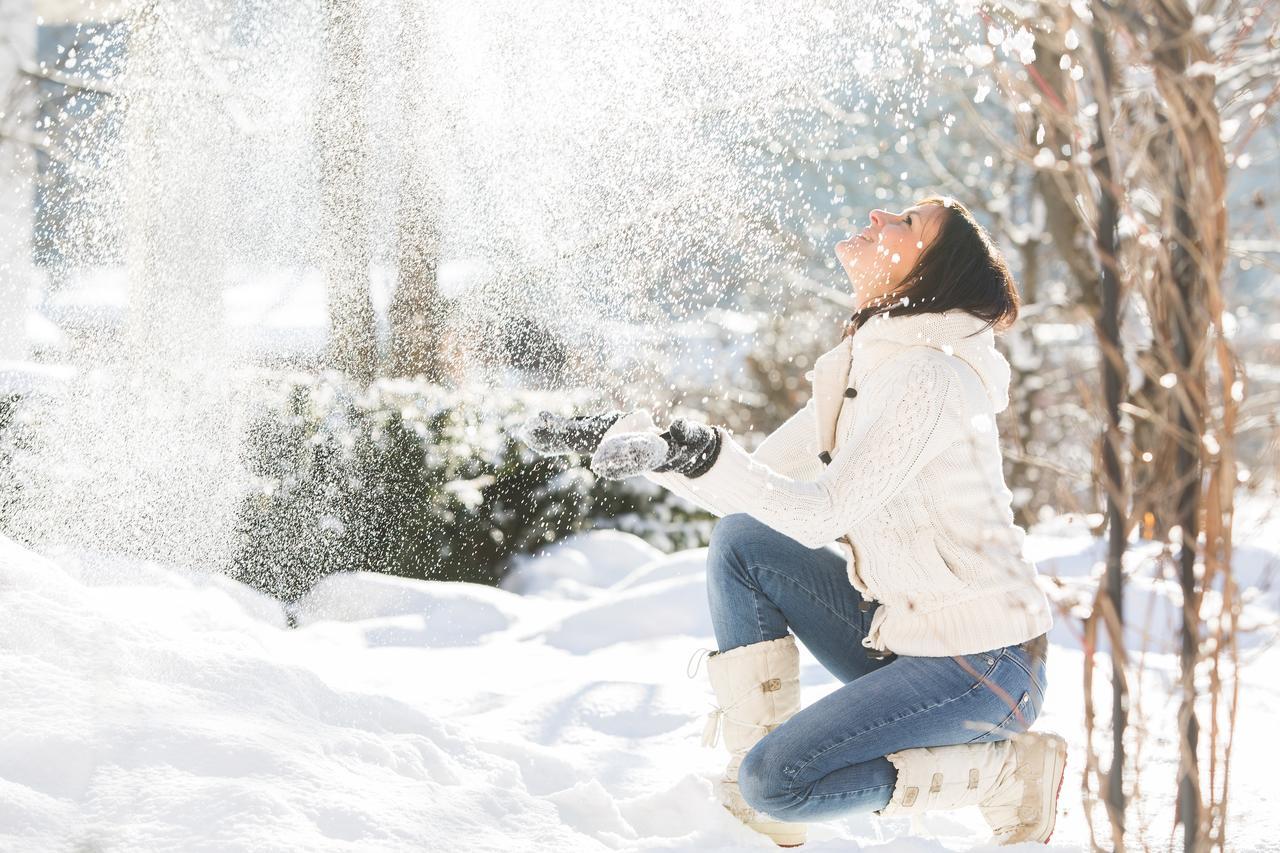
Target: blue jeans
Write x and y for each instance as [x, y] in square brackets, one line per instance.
[828, 759]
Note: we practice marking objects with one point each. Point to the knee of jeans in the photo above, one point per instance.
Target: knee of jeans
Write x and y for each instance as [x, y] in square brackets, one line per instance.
[763, 784]
[730, 531]
[730, 527]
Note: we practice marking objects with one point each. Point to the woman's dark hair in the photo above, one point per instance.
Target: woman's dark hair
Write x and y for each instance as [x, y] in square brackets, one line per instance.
[962, 269]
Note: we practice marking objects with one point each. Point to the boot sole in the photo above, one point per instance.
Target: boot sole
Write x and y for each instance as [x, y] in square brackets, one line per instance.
[784, 837]
[781, 833]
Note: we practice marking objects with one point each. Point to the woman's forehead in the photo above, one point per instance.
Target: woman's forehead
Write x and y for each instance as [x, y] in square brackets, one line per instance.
[926, 211]
[930, 218]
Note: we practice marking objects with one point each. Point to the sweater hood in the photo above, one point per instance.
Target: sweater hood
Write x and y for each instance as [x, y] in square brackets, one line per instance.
[952, 332]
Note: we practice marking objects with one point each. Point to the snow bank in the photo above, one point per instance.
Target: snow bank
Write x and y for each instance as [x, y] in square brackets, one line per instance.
[169, 724]
[673, 607]
[578, 565]
[441, 613]
[147, 708]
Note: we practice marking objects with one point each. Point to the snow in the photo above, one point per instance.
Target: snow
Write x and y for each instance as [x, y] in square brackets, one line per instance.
[589, 562]
[151, 708]
[22, 378]
[409, 612]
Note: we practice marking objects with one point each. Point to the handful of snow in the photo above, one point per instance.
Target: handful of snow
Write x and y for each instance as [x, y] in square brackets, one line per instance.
[628, 454]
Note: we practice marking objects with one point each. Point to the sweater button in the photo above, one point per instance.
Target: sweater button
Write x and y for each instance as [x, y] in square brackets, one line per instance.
[851, 392]
[825, 457]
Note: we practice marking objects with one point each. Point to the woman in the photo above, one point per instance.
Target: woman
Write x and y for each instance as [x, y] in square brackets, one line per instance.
[929, 613]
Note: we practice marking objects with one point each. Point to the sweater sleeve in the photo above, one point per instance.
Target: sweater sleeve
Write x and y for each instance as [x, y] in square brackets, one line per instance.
[790, 449]
[676, 484]
[916, 412]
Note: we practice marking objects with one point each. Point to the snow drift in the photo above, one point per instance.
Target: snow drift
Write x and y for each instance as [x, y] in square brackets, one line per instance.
[146, 708]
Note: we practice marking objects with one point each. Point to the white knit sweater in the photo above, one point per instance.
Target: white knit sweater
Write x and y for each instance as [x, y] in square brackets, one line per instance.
[914, 490]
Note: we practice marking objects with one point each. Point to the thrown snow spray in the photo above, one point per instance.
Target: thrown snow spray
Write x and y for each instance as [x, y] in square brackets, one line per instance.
[591, 167]
[625, 162]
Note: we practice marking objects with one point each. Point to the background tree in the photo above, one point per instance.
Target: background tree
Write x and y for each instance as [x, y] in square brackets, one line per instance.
[1134, 88]
[341, 147]
[418, 313]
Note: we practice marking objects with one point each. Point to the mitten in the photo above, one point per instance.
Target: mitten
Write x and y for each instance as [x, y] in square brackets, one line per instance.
[686, 447]
[551, 434]
[693, 448]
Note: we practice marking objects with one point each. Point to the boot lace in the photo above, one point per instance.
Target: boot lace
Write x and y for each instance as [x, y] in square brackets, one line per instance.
[695, 667]
[715, 717]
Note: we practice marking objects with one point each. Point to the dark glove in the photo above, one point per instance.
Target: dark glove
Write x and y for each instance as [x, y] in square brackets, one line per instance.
[686, 448]
[692, 448]
[551, 434]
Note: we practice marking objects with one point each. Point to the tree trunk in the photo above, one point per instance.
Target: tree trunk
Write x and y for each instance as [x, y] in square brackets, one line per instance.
[1113, 374]
[341, 137]
[1197, 253]
[418, 321]
[417, 314]
[1190, 328]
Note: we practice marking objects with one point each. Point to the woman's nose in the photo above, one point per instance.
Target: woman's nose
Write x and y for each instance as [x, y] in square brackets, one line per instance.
[877, 217]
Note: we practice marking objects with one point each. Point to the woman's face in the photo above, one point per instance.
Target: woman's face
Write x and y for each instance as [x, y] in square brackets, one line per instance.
[878, 257]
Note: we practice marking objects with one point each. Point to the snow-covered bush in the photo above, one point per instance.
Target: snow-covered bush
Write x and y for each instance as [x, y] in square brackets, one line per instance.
[418, 480]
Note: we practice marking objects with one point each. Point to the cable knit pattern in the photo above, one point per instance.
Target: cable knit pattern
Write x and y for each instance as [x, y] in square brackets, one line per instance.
[914, 490]
[918, 420]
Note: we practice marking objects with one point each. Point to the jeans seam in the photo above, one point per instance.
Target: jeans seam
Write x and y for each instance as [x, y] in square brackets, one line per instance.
[756, 595]
[1000, 725]
[1030, 675]
[817, 598]
[847, 793]
[755, 602]
[879, 726]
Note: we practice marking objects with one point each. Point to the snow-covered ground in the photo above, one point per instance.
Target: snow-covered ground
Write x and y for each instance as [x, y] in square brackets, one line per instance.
[144, 708]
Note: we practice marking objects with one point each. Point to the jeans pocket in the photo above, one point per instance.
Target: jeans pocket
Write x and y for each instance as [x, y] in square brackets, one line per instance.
[1012, 698]
[1018, 720]
[1022, 715]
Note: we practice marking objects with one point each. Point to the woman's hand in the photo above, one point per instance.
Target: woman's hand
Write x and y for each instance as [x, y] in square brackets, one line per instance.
[686, 447]
[552, 435]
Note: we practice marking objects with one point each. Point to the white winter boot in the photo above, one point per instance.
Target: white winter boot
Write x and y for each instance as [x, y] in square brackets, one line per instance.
[757, 689]
[1014, 782]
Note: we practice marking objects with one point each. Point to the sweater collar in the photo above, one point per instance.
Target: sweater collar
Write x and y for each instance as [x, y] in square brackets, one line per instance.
[952, 332]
